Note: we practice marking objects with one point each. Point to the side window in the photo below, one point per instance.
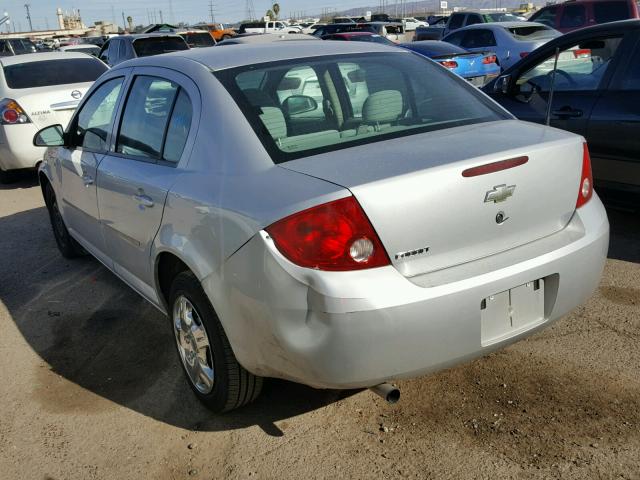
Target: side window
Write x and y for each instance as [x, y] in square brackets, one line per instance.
[610, 11]
[93, 123]
[356, 85]
[122, 51]
[456, 21]
[145, 117]
[573, 16]
[455, 38]
[473, 18]
[104, 54]
[113, 51]
[631, 77]
[478, 38]
[300, 81]
[546, 16]
[580, 67]
[178, 130]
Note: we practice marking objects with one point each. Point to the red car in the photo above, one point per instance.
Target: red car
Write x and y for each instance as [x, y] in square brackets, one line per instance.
[575, 14]
[358, 37]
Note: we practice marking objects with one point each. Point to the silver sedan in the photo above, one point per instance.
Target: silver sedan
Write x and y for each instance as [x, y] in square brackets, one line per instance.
[510, 41]
[319, 212]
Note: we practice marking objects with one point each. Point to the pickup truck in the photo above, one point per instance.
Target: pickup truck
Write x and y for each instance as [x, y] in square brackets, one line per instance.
[458, 20]
[271, 26]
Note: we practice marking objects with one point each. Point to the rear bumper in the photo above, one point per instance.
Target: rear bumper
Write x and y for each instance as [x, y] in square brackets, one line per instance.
[358, 329]
[16, 147]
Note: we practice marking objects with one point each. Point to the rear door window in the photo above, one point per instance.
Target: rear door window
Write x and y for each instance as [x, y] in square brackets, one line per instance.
[474, 18]
[610, 11]
[573, 16]
[455, 38]
[457, 20]
[53, 72]
[178, 130]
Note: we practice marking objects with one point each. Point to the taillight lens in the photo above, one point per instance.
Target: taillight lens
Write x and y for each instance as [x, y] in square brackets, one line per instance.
[489, 59]
[449, 64]
[11, 113]
[335, 236]
[524, 54]
[586, 179]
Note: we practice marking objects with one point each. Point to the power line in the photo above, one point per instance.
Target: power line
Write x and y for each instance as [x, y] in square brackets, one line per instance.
[212, 16]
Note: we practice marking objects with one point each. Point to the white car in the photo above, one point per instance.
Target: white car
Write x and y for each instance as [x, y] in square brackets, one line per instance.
[410, 24]
[38, 90]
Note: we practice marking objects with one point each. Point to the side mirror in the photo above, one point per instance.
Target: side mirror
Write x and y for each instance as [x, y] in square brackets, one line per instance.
[52, 136]
[502, 84]
[297, 104]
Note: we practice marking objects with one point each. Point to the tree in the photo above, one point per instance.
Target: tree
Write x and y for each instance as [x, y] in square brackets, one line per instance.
[276, 9]
[270, 14]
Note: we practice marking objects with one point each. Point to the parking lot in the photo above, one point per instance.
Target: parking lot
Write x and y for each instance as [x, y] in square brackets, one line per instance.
[92, 388]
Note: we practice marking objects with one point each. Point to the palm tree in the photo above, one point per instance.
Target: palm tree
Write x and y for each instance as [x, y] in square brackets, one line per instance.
[270, 15]
[276, 9]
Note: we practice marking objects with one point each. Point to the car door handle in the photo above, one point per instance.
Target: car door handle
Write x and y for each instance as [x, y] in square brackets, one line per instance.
[143, 200]
[87, 180]
[567, 112]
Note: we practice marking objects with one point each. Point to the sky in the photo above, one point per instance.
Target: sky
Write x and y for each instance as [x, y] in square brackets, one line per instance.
[43, 12]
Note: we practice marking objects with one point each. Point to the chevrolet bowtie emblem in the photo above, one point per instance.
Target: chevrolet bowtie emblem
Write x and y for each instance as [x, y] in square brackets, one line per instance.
[499, 193]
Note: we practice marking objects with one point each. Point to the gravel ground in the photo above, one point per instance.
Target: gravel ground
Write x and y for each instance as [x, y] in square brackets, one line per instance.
[91, 388]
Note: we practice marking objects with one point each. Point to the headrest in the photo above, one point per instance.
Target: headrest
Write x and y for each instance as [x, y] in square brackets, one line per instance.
[274, 121]
[382, 107]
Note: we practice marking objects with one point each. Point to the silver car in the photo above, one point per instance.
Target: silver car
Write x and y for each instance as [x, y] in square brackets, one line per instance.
[510, 41]
[380, 228]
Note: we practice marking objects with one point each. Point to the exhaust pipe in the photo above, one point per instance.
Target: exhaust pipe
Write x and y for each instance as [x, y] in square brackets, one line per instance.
[387, 391]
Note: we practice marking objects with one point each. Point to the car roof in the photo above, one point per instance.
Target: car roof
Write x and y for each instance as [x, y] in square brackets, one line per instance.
[506, 25]
[40, 57]
[136, 36]
[354, 34]
[216, 58]
[256, 38]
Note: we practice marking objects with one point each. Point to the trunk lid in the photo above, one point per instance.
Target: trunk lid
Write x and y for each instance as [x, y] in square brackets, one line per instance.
[50, 105]
[429, 217]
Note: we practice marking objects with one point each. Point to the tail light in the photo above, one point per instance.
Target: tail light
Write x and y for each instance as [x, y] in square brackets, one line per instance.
[524, 54]
[11, 113]
[582, 53]
[586, 179]
[489, 59]
[449, 64]
[335, 236]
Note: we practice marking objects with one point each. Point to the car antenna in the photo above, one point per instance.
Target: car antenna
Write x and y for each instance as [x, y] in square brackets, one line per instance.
[547, 121]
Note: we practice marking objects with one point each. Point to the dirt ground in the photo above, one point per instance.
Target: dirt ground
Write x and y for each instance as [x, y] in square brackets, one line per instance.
[90, 388]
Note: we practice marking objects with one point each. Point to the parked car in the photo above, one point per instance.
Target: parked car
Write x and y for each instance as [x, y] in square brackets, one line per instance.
[255, 38]
[277, 26]
[16, 46]
[38, 90]
[411, 23]
[125, 47]
[477, 68]
[394, 31]
[218, 31]
[309, 29]
[596, 94]
[359, 37]
[81, 48]
[510, 41]
[445, 25]
[332, 28]
[574, 14]
[308, 238]
[197, 38]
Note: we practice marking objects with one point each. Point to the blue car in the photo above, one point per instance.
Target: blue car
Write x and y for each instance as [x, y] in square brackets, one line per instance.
[479, 68]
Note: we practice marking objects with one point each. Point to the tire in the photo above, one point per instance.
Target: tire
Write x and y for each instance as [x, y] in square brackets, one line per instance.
[68, 246]
[225, 37]
[6, 177]
[203, 349]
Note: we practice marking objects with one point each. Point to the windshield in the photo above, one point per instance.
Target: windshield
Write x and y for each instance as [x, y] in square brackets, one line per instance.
[53, 72]
[503, 17]
[313, 105]
[20, 46]
[146, 47]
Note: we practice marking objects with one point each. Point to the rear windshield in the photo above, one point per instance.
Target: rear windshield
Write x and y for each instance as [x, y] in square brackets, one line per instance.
[371, 38]
[89, 51]
[199, 39]
[530, 33]
[145, 47]
[53, 72]
[314, 105]
[503, 17]
[434, 48]
[610, 11]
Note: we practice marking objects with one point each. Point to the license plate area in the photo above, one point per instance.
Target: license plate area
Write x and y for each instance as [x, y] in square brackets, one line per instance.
[511, 312]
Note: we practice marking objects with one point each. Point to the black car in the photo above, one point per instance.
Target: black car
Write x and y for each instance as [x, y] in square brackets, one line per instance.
[596, 93]
[16, 46]
[125, 47]
[341, 28]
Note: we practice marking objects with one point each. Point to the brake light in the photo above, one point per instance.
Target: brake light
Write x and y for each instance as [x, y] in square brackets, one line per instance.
[335, 236]
[524, 54]
[11, 113]
[582, 53]
[586, 179]
[489, 59]
[449, 64]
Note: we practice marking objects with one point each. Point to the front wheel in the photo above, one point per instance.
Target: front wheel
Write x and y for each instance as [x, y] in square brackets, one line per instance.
[213, 372]
[6, 177]
[68, 246]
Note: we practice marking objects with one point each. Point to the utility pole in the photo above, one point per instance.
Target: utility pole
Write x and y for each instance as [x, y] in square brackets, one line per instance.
[212, 17]
[27, 6]
[124, 23]
[161, 19]
[171, 17]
